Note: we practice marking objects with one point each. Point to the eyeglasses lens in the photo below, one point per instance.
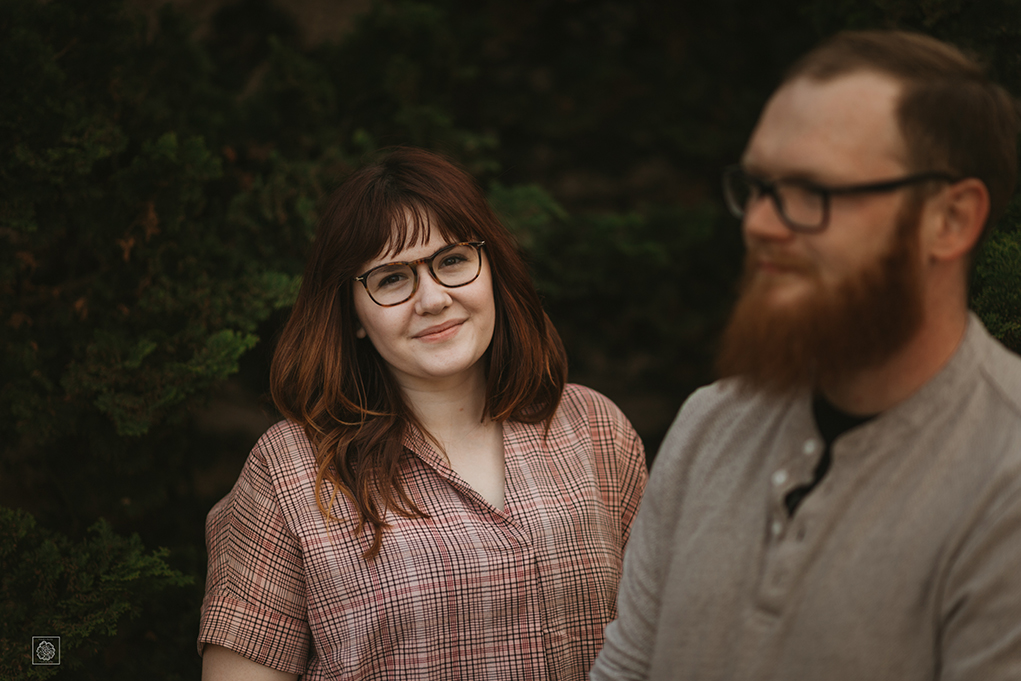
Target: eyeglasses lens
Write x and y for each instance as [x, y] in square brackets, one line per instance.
[801, 206]
[737, 190]
[454, 266]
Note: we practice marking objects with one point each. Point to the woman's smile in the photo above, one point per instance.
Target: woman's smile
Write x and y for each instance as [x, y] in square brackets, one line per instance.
[440, 332]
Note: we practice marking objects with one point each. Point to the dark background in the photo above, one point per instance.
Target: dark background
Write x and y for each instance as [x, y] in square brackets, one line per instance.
[161, 169]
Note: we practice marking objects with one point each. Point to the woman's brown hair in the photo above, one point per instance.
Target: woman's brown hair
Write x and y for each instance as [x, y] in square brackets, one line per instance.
[340, 390]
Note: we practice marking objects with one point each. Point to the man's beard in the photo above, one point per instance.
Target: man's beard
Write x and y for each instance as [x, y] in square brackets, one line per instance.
[832, 334]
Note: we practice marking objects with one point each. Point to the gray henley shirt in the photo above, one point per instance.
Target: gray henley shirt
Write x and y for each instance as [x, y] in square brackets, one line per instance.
[903, 564]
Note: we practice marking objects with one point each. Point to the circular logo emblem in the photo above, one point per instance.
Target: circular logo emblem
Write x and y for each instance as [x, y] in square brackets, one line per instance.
[45, 651]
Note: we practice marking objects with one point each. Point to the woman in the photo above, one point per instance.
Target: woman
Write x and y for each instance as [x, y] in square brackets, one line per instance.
[437, 504]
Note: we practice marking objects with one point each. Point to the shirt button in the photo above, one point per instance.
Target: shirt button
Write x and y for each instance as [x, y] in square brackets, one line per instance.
[776, 528]
[780, 477]
[809, 447]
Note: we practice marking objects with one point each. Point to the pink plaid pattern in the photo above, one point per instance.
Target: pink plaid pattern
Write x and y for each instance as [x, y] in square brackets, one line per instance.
[469, 593]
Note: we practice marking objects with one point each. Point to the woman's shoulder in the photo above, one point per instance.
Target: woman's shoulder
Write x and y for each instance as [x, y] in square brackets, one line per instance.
[589, 421]
[284, 434]
[582, 400]
[280, 473]
[584, 409]
[285, 451]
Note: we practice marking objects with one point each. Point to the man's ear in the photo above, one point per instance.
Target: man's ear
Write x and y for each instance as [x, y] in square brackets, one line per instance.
[961, 215]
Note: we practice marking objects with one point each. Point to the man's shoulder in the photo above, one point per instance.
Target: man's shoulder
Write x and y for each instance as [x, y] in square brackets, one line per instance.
[1001, 369]
[723, 391]
[728, 399]
[727, 411]
[975, 418]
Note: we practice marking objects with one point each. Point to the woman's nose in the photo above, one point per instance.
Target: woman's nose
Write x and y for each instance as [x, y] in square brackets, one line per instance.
[432, 296]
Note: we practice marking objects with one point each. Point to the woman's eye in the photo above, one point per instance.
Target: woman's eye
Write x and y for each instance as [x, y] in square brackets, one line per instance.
[392, 279]
[452, 260]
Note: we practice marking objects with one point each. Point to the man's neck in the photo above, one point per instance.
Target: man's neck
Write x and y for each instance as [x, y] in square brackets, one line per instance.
[881, 387]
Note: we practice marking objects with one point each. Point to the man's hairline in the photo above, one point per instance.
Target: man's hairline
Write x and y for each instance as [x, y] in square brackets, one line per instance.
[903, 88]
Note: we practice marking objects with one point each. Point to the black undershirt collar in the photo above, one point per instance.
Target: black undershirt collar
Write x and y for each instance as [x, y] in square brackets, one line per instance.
[832, 423]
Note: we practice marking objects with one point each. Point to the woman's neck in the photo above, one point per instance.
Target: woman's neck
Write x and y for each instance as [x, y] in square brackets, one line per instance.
[449, 409]
[452, 413]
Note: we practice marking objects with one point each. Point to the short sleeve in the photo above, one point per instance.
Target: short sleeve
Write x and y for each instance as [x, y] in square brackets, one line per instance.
[255, 601]
[632, 473]
[617, 450]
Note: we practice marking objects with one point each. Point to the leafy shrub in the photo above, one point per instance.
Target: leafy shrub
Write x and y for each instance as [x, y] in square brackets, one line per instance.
[83, 590]
[158, 193]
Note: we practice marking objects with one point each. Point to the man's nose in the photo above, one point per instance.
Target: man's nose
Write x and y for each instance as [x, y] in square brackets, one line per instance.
[762, 220]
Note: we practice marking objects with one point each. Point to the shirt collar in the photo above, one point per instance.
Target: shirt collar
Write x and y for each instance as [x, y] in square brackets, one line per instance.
[947, 384]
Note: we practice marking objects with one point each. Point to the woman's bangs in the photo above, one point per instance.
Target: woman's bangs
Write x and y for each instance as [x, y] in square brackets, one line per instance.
[412, 225]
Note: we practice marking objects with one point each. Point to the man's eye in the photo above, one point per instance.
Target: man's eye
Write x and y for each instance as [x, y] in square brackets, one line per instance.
[801, 193]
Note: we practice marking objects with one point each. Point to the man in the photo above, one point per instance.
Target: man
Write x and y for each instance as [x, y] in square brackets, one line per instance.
[847, 503]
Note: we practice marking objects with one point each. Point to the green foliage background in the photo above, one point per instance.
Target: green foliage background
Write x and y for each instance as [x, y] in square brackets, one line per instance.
[159, 182]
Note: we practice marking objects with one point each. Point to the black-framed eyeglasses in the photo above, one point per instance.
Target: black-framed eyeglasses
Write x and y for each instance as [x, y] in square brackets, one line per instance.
[452, 266]
[802, 205]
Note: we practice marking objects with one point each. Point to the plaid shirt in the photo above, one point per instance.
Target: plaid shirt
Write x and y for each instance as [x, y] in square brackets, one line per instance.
[471, 592]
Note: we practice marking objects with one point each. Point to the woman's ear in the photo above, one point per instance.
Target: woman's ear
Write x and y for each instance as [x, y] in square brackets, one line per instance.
[961, 216]
[359, 329]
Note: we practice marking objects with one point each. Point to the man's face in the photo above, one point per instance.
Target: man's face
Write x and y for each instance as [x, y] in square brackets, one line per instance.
[818, 307]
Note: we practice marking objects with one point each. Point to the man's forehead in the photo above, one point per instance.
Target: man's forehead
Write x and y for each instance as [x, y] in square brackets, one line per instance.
[842, 129]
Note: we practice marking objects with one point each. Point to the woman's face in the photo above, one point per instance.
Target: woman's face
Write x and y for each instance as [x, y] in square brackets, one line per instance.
[436, 338]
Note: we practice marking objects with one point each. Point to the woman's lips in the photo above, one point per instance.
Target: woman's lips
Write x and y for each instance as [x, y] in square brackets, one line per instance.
[440, 332]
